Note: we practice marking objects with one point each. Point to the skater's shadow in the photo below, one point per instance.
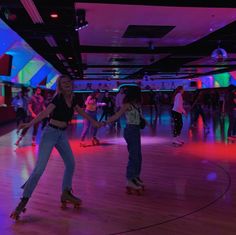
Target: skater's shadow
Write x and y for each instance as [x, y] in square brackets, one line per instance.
[99, 145]
[27, 220]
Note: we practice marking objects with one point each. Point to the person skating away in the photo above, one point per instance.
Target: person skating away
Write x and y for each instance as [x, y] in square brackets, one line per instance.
[177, 111]
[35, 106]
[198, 110]
[132, 109]
[20, 106]
[91, 109]
[108, 109]
[61, 110]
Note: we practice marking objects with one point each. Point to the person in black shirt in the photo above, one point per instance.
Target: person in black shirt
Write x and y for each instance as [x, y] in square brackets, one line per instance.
[108, 109]
[197, 110]
[61, 110]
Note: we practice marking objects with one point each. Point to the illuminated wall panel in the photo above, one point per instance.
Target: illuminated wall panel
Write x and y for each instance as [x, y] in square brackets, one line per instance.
[8, 37]
[40, 76]
[222, 80]
[233, 78]
[28, 68]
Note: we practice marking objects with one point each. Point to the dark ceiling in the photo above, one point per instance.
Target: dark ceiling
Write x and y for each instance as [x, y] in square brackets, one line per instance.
[68, 56]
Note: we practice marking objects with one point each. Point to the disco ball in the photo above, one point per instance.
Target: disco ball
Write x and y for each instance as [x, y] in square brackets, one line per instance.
[219, 55]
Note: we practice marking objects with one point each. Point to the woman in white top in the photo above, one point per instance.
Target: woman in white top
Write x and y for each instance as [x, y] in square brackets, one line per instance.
[132, 110]
[177, 111]
[91, 110]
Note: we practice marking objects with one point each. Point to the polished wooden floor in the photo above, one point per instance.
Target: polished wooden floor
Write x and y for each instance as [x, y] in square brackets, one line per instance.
[190, 190]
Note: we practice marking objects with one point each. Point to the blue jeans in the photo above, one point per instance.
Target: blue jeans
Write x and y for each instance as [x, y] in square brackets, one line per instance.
[87, 124]
[133, 140]
[51, 137]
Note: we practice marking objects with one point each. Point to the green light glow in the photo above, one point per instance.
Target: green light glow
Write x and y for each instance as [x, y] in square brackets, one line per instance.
[222, 80]
[29, 70]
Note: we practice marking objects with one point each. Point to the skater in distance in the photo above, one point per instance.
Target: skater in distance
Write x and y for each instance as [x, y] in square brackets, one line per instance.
[177, 111]
[133, 113]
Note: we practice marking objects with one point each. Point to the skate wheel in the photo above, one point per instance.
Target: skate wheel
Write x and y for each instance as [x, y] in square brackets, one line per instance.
[63, 205]
[14, 216]
[76, 206]
[139, 192]
[128, 190]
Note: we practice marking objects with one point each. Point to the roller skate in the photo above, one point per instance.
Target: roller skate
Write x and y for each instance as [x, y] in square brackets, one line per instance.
[180, 141]
[82, 144]
[33, 142]
[140, 182]
[18, 141]
[95, 141]
[176, 143]
[133, 187]
[232, 139]
[68, 197]
[20, 208]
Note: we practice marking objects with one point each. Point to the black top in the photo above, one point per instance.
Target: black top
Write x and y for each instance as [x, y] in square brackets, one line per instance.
[62, 112]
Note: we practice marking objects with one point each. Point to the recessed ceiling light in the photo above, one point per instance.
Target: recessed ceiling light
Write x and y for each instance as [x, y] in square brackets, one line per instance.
[70, 58]
[54, 15]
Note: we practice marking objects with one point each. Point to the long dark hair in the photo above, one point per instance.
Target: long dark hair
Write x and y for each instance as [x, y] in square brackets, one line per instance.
[177, 90]
[132, 95]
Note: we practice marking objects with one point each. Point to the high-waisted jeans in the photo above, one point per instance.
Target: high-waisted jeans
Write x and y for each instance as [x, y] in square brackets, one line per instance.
[133, 139]
[51, 137]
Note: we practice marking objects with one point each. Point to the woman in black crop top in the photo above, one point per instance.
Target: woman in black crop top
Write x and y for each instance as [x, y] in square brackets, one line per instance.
[61, 110]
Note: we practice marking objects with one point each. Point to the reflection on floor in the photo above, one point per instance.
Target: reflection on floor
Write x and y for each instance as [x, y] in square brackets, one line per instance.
[189, 190]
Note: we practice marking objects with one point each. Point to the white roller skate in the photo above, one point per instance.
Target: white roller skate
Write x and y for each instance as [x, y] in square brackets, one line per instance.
[176, 143]
[180, 140]
[133, 187]
[140, 182]
[68, 197]
[19, 209]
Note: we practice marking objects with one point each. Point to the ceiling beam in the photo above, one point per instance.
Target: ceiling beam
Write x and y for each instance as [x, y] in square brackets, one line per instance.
[182, 3]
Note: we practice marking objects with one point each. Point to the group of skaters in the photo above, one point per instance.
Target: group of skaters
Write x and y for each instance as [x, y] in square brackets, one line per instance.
[28, 108]
[61, 110]
[223, 103]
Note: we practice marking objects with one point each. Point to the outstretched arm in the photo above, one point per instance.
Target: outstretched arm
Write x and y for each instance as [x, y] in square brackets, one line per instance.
[86, 116]
[124, 108]
[45, 113]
